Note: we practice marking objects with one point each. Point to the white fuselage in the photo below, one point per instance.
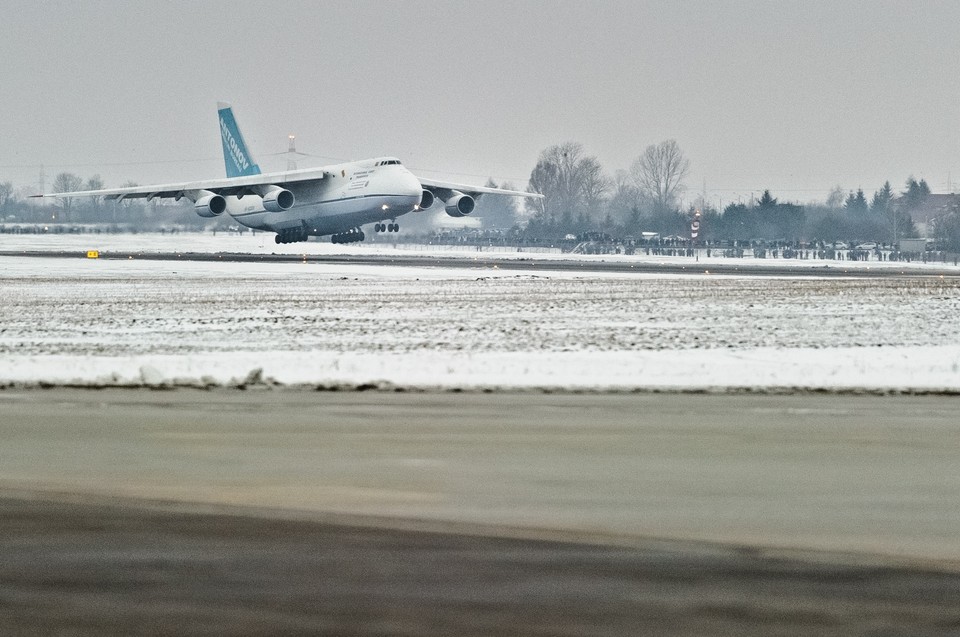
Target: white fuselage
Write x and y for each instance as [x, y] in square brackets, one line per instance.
[348, 196]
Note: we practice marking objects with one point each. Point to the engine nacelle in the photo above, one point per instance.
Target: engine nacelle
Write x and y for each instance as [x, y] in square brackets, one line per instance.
[460, 205]
[277, 199]
[426, 200]
[210, 206]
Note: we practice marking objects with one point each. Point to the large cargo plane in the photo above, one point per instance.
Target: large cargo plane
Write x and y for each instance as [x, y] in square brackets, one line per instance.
[333, 200]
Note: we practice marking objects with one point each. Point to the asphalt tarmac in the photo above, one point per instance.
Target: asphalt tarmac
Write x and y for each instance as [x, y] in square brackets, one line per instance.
[532, 263]
[375, 513]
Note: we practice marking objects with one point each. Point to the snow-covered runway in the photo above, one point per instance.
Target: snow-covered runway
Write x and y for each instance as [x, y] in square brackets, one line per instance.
[77, 321]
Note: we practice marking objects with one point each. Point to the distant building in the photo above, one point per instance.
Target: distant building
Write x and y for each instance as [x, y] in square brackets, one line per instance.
[932, 207]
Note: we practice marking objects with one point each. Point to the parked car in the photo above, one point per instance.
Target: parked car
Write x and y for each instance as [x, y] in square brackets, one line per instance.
[869, 245]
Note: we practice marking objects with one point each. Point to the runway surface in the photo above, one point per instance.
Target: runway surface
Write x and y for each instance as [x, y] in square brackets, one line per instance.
[131, 511]
[846, 473]
[374, 513]
[120, 569]
[533, 263]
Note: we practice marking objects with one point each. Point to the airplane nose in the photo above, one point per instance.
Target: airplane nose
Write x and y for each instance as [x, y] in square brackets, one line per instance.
[411, 186]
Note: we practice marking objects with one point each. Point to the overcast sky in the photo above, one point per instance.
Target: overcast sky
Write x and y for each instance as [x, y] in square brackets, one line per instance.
[792, 96]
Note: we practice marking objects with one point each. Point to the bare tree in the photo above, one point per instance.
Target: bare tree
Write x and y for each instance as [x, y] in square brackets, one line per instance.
[625, 200]
[659, 173]
[6, 193]
[594, 184]
[573, 185]
[836, 198]
[94, 203]
[67, 182]
[95, 183]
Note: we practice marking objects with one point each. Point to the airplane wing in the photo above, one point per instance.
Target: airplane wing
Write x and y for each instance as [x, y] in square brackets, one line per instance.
[226, 187]
[442, 189]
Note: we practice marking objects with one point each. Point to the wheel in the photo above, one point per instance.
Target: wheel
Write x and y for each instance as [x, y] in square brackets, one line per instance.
[277, 238]
[362, 236]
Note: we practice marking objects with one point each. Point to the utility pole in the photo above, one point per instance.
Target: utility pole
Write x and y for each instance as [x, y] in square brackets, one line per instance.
[292, 153]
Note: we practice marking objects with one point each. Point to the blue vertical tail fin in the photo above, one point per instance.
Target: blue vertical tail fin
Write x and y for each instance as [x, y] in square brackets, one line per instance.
[237, 158]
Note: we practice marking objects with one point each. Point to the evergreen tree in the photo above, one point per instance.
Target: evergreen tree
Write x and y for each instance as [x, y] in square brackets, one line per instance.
[857, 203]
[915, 193]
[882, 199]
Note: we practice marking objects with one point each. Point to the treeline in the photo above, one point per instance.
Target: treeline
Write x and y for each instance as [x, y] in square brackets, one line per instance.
[18, 207]
[882, 221]
[580, 197]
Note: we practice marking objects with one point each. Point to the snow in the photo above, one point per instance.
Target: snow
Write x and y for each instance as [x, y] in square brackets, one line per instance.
[852, 369]
[158, 323]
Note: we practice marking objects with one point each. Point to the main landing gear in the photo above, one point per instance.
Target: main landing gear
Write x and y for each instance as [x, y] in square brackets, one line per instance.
[350, 236]
[291, 235]
[387, 227]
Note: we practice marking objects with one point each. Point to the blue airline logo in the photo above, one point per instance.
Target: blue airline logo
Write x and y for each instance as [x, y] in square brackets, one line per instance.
[235, 154]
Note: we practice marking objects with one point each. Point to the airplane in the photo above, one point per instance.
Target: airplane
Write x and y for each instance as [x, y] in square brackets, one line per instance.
[336, 200]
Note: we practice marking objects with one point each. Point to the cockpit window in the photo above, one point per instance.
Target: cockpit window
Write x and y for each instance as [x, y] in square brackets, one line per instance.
[389, 162]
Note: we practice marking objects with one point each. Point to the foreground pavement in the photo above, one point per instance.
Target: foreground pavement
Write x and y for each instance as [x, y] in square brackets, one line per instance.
[120, 568]
[134, 511]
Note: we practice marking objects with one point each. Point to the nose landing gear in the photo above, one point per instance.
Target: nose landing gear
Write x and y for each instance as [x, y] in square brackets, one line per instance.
[387, 227]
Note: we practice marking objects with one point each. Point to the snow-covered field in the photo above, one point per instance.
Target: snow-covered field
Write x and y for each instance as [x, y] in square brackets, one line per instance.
[81, 321]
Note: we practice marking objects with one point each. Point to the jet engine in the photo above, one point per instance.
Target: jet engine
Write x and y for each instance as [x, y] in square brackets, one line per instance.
[460, 205]
[210, 206]
[426, 200]
[277, 199]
